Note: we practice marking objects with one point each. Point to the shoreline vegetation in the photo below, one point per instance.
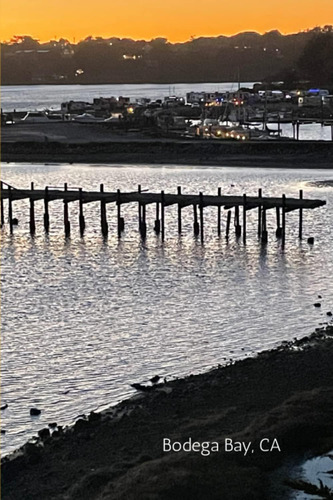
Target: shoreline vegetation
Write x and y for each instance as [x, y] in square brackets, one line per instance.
[285, 394]
[129, 150]
[271, 56]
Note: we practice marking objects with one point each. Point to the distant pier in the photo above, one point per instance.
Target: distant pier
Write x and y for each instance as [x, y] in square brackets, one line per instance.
[235, 206]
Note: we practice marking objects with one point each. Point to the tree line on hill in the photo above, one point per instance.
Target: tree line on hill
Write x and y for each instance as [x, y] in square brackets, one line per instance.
[302, 57]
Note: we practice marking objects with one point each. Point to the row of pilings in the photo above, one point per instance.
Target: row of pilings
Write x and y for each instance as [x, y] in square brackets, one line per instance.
[161, 200]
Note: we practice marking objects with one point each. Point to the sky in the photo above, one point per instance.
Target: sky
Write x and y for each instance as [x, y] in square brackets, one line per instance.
[176, 20]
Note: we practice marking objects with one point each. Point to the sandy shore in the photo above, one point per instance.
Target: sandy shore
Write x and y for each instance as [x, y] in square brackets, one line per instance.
[285, 394]
[133, 150]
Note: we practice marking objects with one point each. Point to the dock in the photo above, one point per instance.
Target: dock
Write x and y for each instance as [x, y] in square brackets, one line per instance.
[235, 206]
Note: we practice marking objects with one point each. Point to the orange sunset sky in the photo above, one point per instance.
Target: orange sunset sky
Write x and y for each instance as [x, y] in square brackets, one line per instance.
[176, 20]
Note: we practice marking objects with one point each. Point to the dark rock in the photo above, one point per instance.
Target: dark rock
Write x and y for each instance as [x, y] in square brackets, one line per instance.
[15, 221]
[93, 417]
[329, 313]
[44, 433]
[3, 431]
[317, 304]
[155, 379]
[35, 411]
[3, 407]
[52, 425]
[81, 424]
[311, 240]
[319, 297]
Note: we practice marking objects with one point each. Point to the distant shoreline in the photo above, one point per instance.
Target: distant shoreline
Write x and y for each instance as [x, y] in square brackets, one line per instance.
[60, 84]
[265, 154]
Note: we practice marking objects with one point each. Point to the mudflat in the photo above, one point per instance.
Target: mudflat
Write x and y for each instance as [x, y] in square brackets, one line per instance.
[72, 143]
[218, 435]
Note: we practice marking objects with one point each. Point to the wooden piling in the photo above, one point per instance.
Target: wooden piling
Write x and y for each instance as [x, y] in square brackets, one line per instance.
[259, 213]
[228, 224]
[2, 210]
[264, 233]
[46, 210]
[278, 231]
[10, 209]
[244, 219]
[219, 214]
[162, 216]
[179, 192]
[104, 223]
[157, 225]
[283, 220]
[300, 225]
[201, 217]
[238, 229]
[118, 213]
[195, 221]
[32, 223]
[82, 223]
[139, 209]
[143, 229]
[67, 224]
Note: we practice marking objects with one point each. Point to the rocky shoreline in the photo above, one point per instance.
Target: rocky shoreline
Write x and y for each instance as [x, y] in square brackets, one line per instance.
[305, 154]
[278, 404]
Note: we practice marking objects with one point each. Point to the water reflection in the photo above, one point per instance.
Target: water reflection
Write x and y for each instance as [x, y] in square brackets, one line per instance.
[91, 315]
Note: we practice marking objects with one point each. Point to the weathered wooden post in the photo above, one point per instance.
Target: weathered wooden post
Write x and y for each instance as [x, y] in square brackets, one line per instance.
[238, 228]
[179, 192]
[143, 230]
[278, 232]
[104, 224]
[2, 211]
[46, 210]
[259, 212]
[118, 213]
[82, 223]
[10, 209]
[244, 219]
[32, 223]
[195, 222]
[228, 224]
[264, 233]
[162, 216]
[67, 224]
[201, 217]
[219, 214]
[283, 220]
[139, 209]
[157, 225]
[300, 228]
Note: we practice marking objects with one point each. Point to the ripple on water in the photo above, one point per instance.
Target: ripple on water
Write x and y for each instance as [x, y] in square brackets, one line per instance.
[83, 319]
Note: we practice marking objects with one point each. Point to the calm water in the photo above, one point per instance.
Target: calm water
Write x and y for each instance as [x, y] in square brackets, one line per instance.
[82, 319]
